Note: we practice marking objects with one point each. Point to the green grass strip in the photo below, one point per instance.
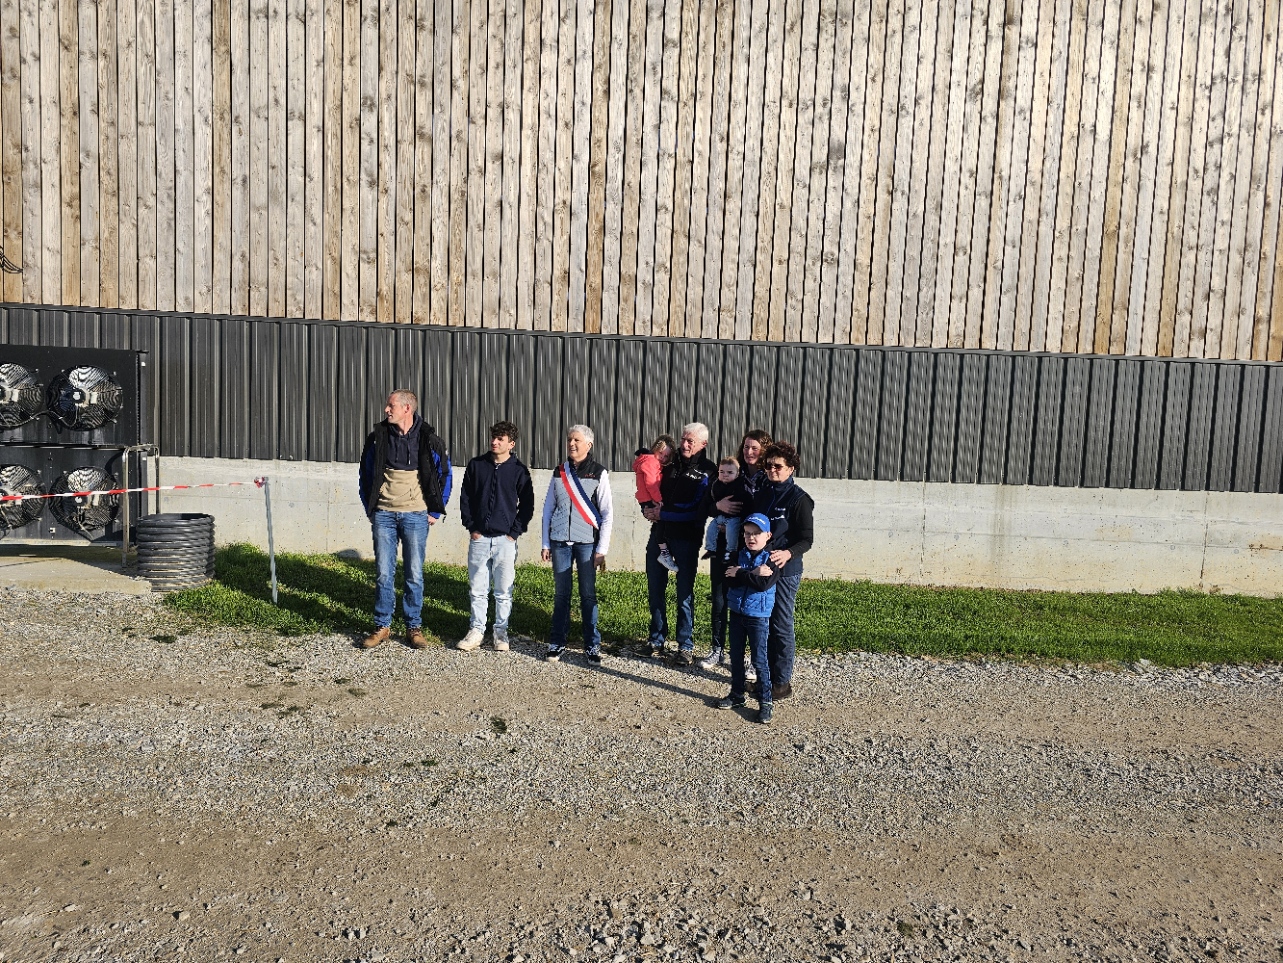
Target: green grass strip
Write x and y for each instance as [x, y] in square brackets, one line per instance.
[328, 593]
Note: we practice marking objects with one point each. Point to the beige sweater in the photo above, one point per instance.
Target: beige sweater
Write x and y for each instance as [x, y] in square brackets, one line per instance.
[400, 492]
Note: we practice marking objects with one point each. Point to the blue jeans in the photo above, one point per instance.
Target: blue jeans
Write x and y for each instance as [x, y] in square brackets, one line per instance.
[755, 630]
[729, 526]
[491, 559]
[566, 558]
[686, 554]
[782, 645]
[410, 529]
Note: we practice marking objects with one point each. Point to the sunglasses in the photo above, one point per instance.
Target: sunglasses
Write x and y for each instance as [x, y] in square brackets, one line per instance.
[775, 466]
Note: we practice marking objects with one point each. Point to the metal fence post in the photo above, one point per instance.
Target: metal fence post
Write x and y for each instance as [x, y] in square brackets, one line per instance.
[266, 484]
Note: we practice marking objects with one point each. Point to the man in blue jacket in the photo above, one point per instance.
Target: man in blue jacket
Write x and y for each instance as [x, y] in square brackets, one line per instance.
[683, 485]
[496, 503]
[405, 486]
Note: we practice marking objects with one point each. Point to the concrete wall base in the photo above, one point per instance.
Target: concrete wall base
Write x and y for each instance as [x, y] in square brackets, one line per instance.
[917, 533]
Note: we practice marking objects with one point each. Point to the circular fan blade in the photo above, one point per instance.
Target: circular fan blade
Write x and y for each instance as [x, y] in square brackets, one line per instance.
[85, 513]
[20, 396]
[16, 480]
[85, 398]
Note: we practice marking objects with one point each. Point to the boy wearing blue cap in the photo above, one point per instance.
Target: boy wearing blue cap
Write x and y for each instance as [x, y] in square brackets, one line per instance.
[750, 596]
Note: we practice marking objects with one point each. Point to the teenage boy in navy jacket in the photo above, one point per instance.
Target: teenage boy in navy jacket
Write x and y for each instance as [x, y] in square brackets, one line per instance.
[496, 503]
[750, 595]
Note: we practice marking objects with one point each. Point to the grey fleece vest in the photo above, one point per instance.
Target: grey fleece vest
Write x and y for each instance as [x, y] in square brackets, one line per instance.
[567, 525]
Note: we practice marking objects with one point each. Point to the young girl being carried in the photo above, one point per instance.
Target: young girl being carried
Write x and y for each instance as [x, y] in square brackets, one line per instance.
[648, 466]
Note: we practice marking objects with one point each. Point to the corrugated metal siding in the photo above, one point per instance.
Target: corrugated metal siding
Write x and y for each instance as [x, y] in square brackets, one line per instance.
[1126, 401]
[1248, 455]
[235, 372]
[231, 388]
[1270, 476]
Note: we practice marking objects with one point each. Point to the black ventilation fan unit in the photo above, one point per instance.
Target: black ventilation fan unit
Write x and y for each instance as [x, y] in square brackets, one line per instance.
[85, 514]
[21, 397]
[84, 399]
[16, 480]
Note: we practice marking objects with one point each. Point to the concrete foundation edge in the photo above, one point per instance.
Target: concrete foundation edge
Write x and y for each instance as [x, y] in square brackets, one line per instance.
[918, 533]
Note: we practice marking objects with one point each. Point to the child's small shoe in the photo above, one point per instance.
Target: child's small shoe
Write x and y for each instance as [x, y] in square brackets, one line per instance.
[706, 555]
[666, 560]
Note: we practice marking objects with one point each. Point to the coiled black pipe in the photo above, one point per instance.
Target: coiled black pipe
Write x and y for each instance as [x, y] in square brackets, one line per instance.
[175, 550]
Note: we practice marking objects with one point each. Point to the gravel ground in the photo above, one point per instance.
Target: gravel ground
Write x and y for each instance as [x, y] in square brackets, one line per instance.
[173, 791]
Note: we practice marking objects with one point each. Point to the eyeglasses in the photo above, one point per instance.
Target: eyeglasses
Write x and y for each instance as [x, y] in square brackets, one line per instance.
[775, 466]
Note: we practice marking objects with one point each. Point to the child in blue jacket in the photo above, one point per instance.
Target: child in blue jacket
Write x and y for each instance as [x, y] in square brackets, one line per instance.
[750, 596]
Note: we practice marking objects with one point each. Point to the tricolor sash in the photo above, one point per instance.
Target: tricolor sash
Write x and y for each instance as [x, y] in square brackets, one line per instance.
[575, 492]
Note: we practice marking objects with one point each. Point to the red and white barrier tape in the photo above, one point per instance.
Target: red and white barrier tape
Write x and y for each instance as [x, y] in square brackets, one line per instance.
[258, 482]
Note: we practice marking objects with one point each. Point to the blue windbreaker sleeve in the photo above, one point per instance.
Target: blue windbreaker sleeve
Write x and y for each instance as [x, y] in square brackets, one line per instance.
[446, 473]
[686, 511]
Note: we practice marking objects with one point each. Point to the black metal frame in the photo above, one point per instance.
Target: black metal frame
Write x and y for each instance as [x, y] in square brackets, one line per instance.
[50, 449]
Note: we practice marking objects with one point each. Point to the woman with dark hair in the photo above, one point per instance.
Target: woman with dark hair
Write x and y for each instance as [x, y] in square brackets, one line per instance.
[751, 447]
[780, 498]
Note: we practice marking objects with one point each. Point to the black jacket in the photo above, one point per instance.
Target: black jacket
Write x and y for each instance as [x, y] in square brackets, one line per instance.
[736, 490]
[685, 483]
[496, 498]
[795, 507]
[435, 479]
[716, 492]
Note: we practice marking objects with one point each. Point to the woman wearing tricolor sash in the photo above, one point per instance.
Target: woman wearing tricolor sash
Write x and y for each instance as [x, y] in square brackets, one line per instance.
[576, 536]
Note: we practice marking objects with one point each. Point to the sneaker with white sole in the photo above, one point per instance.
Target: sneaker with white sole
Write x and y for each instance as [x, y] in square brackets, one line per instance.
[500, 640]
[750, 673]
[713, 660]
[666, 559]
[471, 641]
[552, 655]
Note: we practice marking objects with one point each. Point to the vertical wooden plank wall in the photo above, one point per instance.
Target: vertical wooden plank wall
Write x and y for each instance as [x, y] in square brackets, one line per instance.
[11, 156]
[1050, 175]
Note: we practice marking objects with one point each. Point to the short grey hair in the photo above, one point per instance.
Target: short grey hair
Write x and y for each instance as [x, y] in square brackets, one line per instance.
[580, 430]
[698, 429]
[406, 397]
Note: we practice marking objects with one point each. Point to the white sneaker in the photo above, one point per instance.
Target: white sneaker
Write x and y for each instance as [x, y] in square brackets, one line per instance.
[500, 640]
[666, 560]
[471, 641]
[750, 673]
[713, 660]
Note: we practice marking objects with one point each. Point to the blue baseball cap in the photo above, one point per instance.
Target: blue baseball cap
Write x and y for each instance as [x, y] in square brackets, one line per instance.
[760, 520]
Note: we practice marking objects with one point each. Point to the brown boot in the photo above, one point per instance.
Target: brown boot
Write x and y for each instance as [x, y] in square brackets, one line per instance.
[415, 638]
[380, 634]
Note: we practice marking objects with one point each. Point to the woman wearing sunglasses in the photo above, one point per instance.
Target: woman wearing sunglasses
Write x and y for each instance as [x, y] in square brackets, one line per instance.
[780, 498]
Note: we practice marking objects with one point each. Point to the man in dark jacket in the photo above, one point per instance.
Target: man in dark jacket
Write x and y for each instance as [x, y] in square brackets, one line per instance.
[405, 485]
[683, 485]
[496, 503]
